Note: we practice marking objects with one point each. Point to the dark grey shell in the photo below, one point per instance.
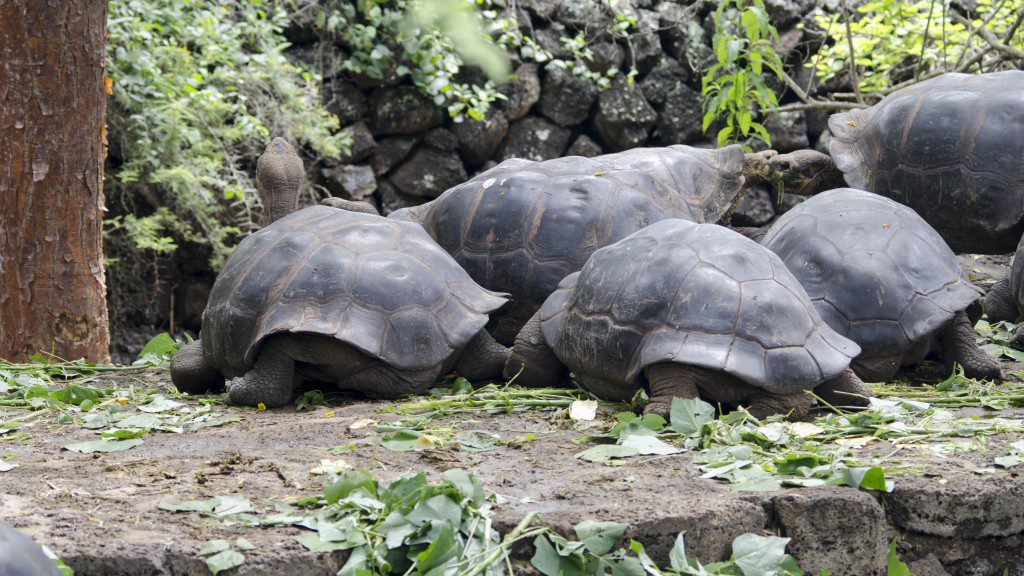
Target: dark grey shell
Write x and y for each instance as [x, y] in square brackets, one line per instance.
[875, 270]
[951, 148]
[694, 294]
[20, 556]
[1017, 276]
[382, 286]
[522, 226]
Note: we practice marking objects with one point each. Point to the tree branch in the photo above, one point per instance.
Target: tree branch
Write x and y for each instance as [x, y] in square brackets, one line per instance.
[814, 105]
[851, 61]
[991, 39]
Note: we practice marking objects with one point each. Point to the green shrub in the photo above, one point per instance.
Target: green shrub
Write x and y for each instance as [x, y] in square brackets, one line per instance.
[198, 88]
[734, 88]
[888, 36]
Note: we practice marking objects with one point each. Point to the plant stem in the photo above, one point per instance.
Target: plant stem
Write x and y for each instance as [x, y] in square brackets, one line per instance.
[506, 545]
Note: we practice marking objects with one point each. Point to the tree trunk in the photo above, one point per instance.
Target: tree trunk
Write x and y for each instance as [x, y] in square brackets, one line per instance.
[52, 104]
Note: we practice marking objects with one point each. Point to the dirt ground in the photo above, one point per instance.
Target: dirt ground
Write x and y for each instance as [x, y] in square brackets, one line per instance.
[99, 511]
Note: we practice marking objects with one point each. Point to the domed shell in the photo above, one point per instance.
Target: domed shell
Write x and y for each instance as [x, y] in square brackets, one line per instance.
[20, 556]
[522, 226]
[951, 148]
[875, 270]
[382, 286]
[694, 294]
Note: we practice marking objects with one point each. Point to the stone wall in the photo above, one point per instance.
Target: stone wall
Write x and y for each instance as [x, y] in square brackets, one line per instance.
[407, 150]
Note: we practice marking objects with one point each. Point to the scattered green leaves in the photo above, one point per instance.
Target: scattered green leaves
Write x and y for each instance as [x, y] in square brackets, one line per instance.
[1015, 457]
[995, 340]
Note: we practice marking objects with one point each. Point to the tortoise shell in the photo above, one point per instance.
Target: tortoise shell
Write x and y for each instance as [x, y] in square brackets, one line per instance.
[951, 148]
[522, 226]
[20, 556]
[382, 286]
[875, 270]
[694, 294]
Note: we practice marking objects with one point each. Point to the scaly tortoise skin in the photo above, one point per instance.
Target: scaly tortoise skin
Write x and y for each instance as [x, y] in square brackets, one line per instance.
[20, 556]
[522, 226]
[949, 148]
[685, 308]
[881, 276]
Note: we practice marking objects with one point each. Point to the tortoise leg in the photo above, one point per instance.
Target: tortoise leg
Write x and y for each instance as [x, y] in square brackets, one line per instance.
[532, 362]
[667, 381]
[191, 373]
[342, 204]
[846, 389]
[378, 380]
[482, 359]
[959, 346]
[881, 369]
[270, 382]
[1000, 305]
[795, 406]
[805, 172]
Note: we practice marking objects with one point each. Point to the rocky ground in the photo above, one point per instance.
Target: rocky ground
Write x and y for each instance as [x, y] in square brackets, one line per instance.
[952, 510]
[100, 512]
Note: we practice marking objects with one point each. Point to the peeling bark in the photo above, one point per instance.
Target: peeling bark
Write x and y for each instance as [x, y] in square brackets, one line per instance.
[52, 104]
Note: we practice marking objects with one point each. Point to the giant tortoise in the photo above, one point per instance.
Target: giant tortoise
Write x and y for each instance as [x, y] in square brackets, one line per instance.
[332, 295]
[522, 226]
[881, 276]
[1005, 301]
[950, 147]
[687, 309]
[20, 556]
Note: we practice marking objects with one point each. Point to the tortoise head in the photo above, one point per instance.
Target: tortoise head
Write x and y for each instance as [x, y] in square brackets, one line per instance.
[279, 175]
[804, 173]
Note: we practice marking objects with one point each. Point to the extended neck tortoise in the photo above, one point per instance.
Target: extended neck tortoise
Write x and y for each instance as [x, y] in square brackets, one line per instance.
[324, 294]
[951, 148]
[522, 226]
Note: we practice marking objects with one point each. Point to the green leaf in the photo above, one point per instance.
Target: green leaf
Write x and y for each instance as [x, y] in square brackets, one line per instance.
[867, 478]
[347, 482]
[230, 505]
[648, 444]
[160, 404]
[549, 562]
[606, 452]
[757, 555]
[467, 485]
[895, 566]
[213, 547]
[441, 552]
[225, 560]
[314, 544]
[677, 556]
[689, 415]
[103, 445]
[407, 441]
[160, 345]
[75, 394]
[599, 537]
